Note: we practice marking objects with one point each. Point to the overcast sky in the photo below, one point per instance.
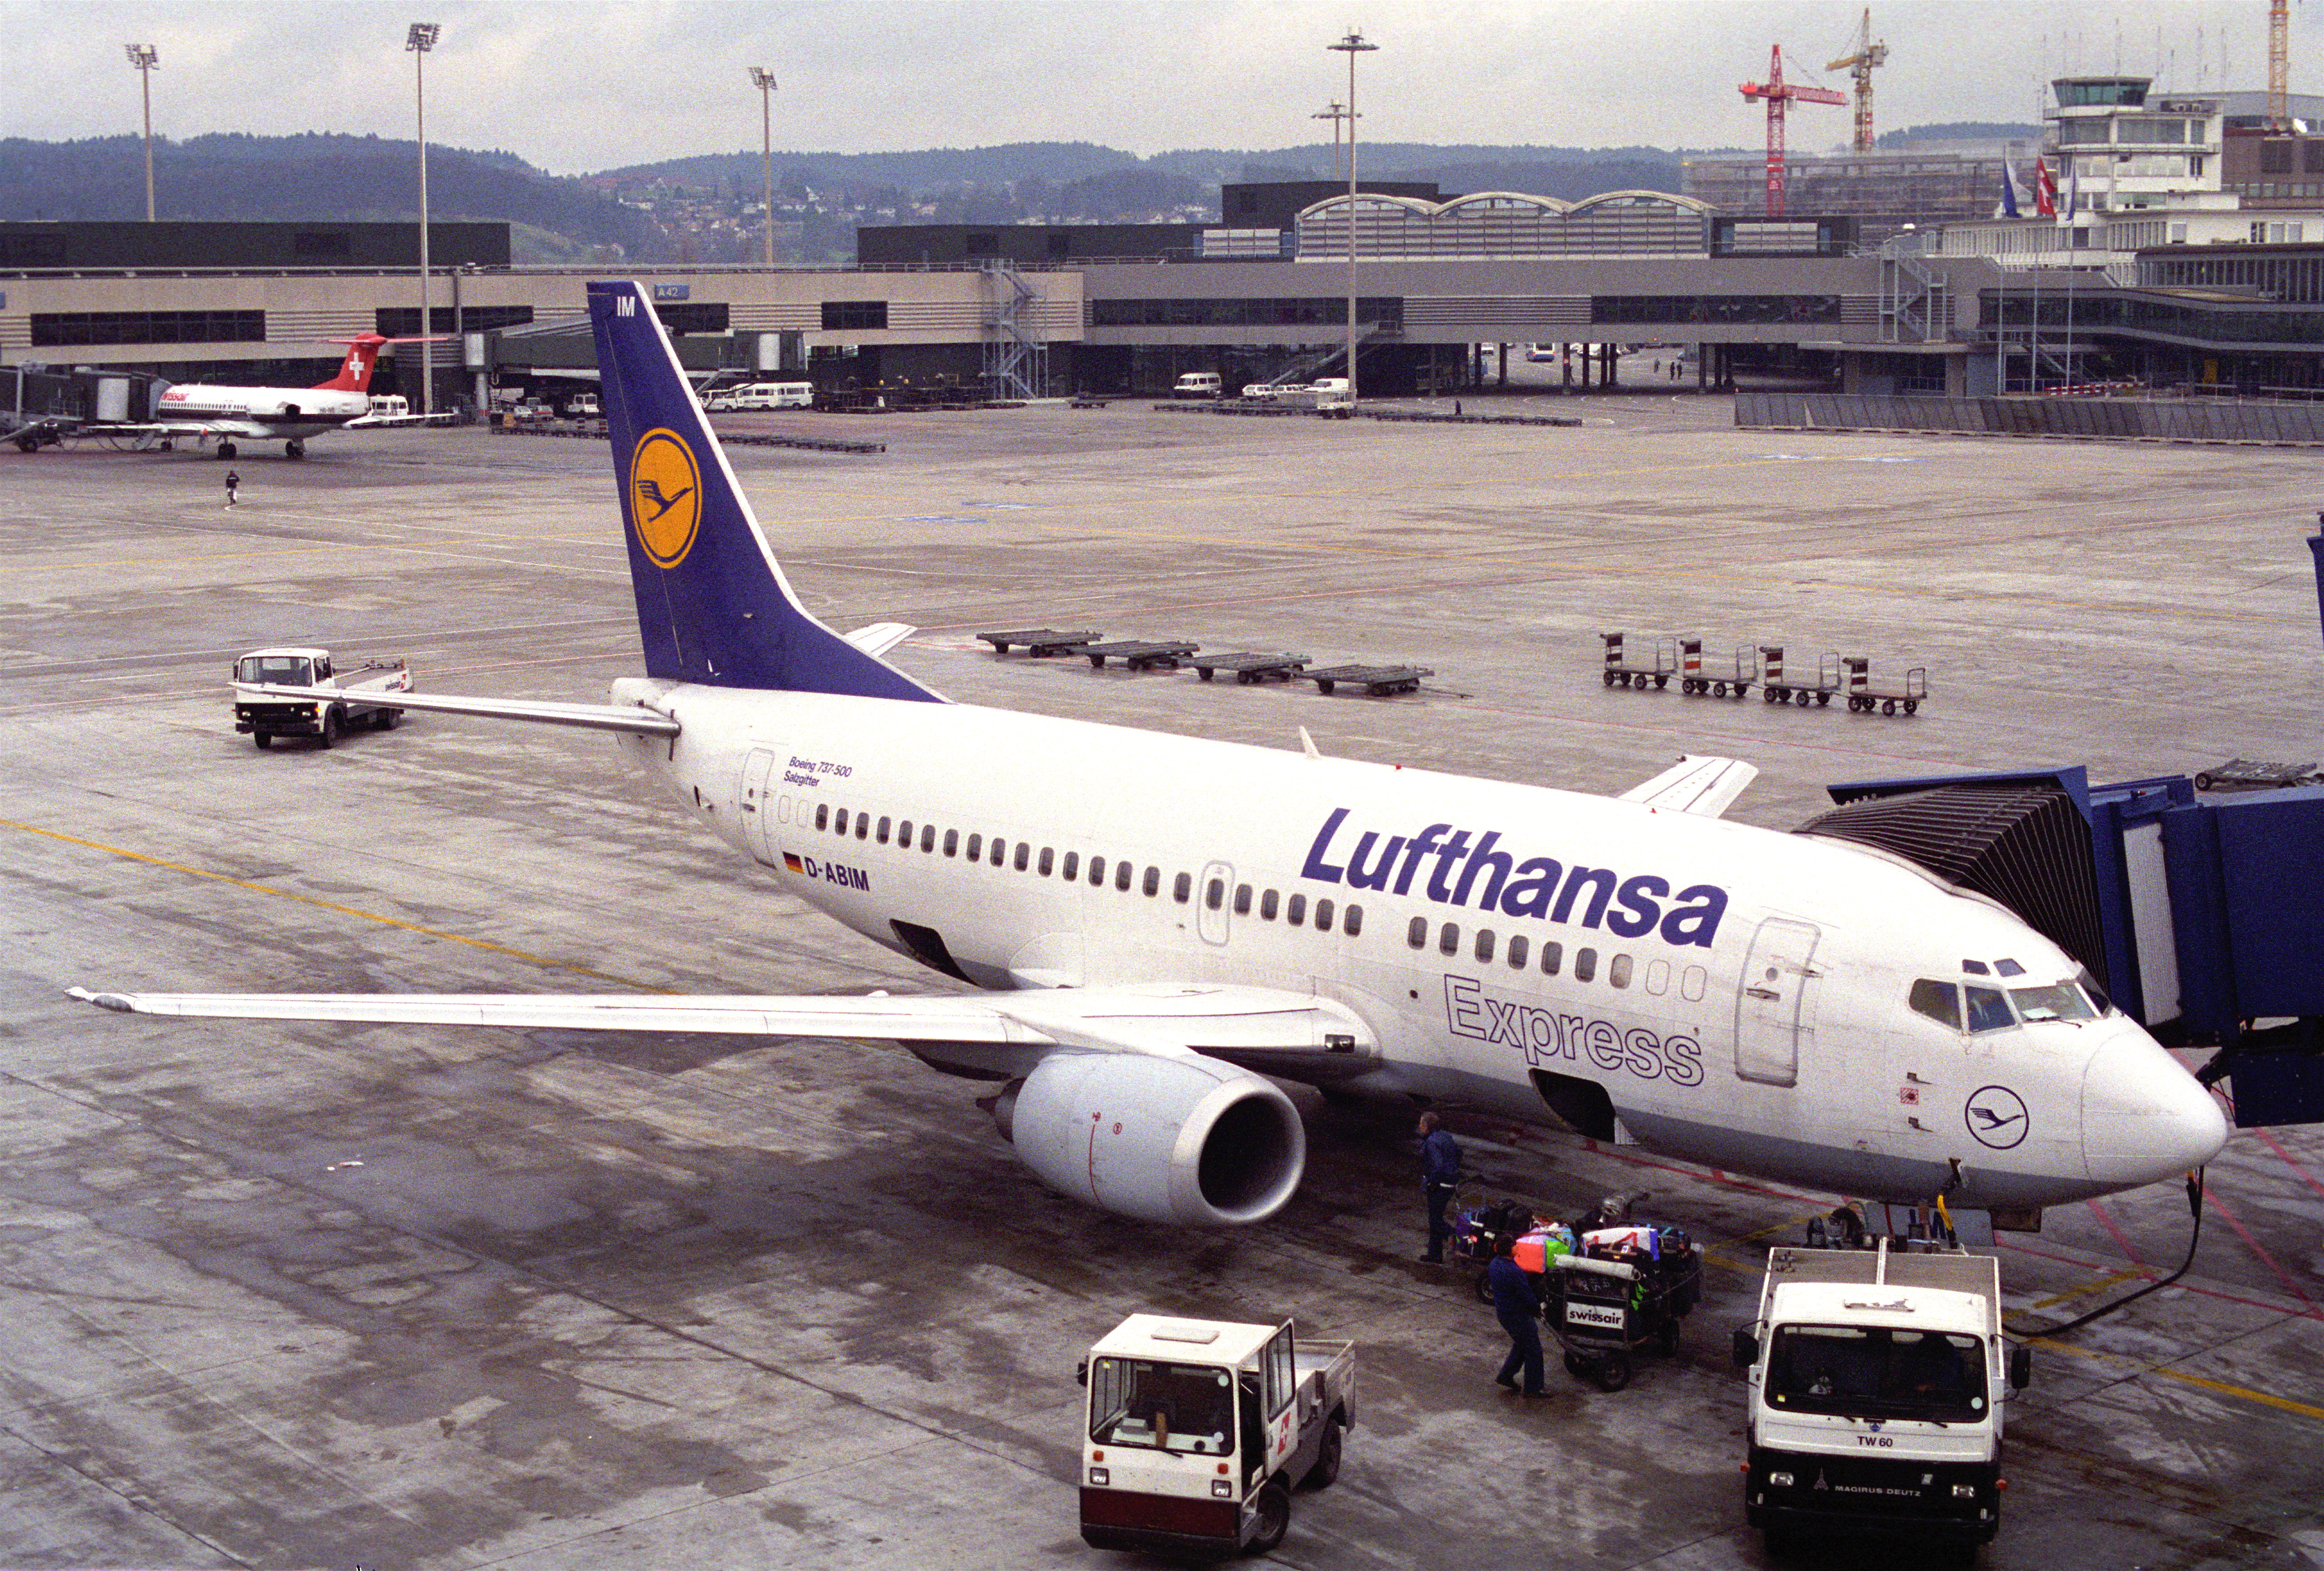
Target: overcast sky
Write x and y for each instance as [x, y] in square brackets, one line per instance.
[576, 86]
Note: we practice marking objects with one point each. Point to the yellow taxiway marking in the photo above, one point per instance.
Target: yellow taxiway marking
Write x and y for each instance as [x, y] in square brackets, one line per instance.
[361, 915]
[2266, 1398]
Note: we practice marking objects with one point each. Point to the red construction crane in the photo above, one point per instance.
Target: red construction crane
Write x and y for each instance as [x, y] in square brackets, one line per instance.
[1778, 93]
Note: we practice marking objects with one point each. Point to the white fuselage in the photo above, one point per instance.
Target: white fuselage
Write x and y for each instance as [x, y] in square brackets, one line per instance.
[1739, 994]
[260, 413]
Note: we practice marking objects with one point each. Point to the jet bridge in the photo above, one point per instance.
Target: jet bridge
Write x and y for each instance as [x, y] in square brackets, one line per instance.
[2200, 913]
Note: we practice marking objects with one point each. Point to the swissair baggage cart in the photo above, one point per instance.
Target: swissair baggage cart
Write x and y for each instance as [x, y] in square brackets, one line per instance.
[1620, 1295]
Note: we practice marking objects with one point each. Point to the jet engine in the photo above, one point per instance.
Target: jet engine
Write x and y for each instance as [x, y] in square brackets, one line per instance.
[1187, 1141]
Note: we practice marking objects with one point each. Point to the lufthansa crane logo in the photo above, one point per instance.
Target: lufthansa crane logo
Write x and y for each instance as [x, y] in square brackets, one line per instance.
[1997, 1116]
[665, 496]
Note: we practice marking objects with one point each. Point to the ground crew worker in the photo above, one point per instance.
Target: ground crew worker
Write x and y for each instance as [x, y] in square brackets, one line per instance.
[1440, 1168]
[232, 488]
[1518, 1310]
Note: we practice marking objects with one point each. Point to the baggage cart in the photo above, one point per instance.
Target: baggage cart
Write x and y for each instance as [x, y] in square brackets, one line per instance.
[1621, 671]
[1862, 697]
[1698, 674]
[1781, 685]
[1614, 1300]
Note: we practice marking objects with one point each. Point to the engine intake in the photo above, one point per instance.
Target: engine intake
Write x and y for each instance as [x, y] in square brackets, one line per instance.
[1187, 1141]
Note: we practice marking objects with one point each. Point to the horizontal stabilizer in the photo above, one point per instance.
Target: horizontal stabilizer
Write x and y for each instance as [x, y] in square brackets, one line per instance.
[1704, 785]
[880, 637]
[602, 717]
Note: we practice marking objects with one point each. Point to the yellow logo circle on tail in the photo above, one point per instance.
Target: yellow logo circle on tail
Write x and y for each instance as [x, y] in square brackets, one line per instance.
[665, 496]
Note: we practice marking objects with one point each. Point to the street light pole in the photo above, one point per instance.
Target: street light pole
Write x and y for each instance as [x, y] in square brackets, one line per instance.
[416, 43]
[765, 80]
[1351, 46]
[147, 60]
[1333, 112]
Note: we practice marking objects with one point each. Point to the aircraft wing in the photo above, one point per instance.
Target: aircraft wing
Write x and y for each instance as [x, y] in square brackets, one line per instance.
[1695, 784]
[879, 638]
[1253, 1027]
[604, 717]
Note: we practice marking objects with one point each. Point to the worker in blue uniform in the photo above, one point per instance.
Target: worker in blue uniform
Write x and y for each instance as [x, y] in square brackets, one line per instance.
[1519, 1308]
[1440, 1170]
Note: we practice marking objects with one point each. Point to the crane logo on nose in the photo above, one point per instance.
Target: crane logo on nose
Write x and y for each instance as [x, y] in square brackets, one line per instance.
[1997, 1116]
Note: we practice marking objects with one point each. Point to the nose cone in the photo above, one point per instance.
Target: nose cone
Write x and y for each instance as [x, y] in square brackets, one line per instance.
[2145, 1119]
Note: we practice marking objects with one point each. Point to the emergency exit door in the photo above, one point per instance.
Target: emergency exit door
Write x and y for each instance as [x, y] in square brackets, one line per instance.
[1774, 1003]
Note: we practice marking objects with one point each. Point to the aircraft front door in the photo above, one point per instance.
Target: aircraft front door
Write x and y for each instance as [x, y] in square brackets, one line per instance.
[1774, 1003]
[759, 805]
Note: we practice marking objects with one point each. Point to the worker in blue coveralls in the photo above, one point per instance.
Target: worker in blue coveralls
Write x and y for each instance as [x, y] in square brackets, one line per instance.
[1440, 1168]
[1516, 1308]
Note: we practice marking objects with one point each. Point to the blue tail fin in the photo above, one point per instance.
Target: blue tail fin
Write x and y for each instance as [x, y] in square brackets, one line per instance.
[713, 604]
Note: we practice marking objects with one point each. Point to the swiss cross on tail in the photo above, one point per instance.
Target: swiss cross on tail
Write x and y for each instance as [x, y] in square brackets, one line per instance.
[355, 376]
[713, 604]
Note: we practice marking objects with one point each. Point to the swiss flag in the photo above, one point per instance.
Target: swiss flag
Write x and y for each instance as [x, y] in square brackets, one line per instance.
[2046, 190]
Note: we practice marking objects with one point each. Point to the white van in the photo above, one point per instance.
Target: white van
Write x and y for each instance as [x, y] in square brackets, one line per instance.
[774, 395]
[583, 406]
[1198, 384]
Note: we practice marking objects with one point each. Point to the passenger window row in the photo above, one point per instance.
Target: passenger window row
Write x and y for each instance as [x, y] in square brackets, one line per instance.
[1621, 970]
[1293, 910]
[1046, 862]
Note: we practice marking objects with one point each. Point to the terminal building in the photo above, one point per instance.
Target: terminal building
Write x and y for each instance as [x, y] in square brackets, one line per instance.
[2195, 260]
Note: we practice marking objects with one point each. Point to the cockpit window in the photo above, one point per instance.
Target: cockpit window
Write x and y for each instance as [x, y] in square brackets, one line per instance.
[2008, 969]
[2059, 1001]
[1988, 1010]
[1939, 1001]
[1976, 967]
[2098, 996]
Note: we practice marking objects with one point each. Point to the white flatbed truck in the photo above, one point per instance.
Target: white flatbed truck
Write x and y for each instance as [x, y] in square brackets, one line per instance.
[1198, 1431]
[329, 702]
[1876, 1382]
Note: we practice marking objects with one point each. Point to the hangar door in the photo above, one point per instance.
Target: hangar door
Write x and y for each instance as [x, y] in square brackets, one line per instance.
[1774, 1003]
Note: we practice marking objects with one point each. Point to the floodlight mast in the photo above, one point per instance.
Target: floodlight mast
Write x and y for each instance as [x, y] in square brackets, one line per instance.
[147, 60]
[416, 43]
[1351, 46]
[1333, 112]
[765, 80]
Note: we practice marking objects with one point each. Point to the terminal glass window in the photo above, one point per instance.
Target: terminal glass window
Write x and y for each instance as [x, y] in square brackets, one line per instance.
[1187, 1408]
[847, 316]
[1877, 1372]
[60, 328]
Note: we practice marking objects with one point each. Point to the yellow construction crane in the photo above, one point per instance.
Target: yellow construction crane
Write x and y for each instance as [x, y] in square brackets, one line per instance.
[2279, 65]
[1858, 66]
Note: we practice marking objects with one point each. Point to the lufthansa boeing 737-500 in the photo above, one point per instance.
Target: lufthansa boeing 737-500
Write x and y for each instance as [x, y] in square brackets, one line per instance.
[1157, 928]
